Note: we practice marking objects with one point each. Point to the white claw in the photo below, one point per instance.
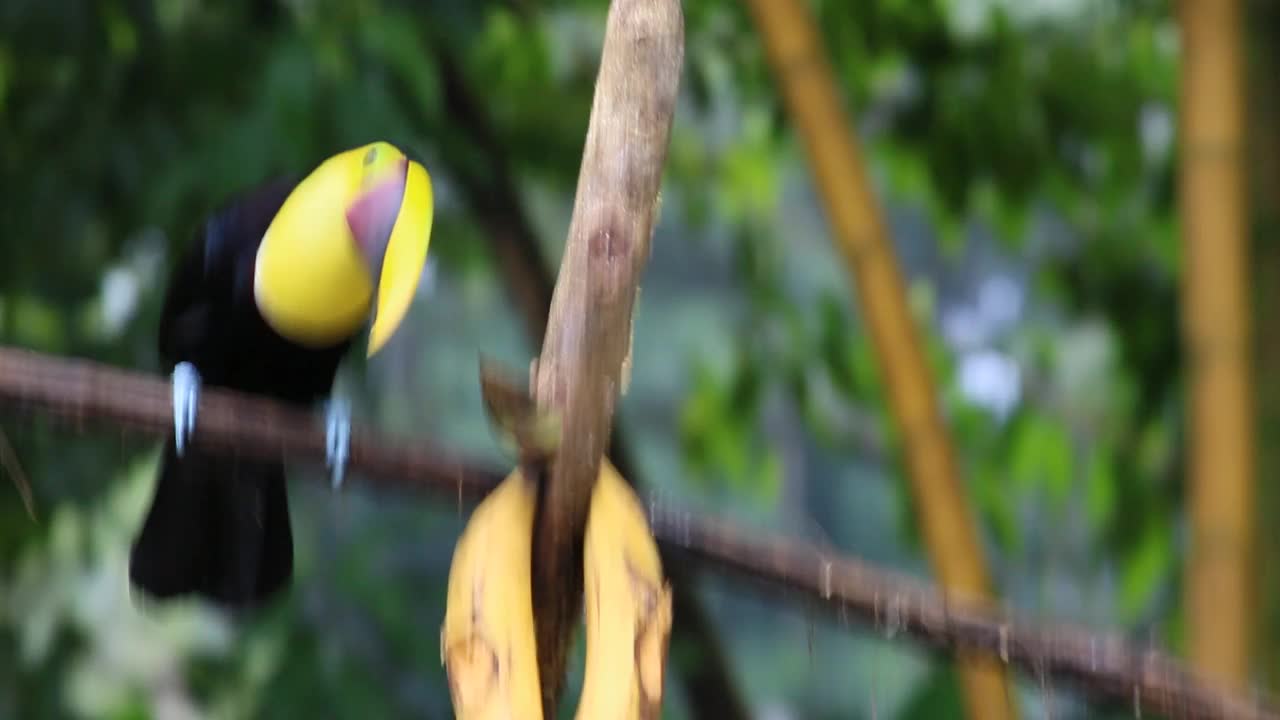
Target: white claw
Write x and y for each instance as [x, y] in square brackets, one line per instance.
[186, 402]
[337, 438]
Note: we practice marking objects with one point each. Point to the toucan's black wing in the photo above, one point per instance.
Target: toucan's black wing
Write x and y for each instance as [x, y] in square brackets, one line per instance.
[218, 526]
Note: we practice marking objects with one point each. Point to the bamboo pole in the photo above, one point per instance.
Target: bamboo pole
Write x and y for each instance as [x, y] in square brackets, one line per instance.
[1220, 461]
[798, 58]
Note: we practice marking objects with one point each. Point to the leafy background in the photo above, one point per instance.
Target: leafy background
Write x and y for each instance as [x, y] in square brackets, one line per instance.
[1024, 152]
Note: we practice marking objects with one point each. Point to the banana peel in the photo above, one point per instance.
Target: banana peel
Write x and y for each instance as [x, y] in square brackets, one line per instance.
[628, 607]
[488, 641]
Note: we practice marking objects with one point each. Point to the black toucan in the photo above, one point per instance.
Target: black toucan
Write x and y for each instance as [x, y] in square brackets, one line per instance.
[267, 299]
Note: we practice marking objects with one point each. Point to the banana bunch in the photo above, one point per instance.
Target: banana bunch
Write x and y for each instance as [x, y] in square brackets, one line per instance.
[487, 642]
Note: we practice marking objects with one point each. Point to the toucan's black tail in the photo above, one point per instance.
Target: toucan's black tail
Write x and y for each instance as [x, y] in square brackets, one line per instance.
[218, 528]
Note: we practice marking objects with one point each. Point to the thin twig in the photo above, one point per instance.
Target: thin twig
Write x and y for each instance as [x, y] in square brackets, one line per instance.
[1105, 666]
[9, 459]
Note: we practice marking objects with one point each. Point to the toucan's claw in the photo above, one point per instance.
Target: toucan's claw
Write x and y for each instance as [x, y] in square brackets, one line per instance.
[337, 438]
[186, 403]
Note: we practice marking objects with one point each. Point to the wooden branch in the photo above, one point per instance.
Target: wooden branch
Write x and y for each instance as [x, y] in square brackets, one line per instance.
[1111, 670]
[709, 685]
[1105, 667]
[583, 366]
[241, 424]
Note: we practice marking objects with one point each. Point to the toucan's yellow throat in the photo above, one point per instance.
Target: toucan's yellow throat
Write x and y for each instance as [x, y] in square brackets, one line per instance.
[351, 237]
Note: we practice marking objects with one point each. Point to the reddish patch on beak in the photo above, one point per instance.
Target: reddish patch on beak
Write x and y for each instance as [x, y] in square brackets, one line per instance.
[372, 216]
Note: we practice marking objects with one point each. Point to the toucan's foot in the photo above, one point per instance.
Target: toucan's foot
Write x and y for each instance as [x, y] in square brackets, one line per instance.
[337, 438]
[186, 403]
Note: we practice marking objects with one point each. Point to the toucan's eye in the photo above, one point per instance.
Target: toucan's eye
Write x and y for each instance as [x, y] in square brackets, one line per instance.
[370, 156]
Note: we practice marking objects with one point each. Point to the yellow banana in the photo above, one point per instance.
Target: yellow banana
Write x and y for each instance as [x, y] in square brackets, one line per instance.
[628, 607]
[487, 643]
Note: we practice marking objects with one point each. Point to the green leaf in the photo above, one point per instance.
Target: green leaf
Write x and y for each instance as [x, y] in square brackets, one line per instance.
[1144, 568]
[936, 697]
[766, 484]
[997, 506]
[121, 35]
[1100, 493]
[6, 69]
[864, 369]
[750, 187]
[1041, 455]
[38, 324]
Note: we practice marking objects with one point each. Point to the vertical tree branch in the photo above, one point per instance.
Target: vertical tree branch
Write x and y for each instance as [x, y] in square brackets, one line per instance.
[587, 349]
[1216, 330]
[709, 686]
[797, 55]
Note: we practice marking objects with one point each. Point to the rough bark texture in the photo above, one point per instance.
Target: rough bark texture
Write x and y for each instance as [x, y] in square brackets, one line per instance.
[586, 352]
[1105, 667]
[1220, 464]
[797, 55]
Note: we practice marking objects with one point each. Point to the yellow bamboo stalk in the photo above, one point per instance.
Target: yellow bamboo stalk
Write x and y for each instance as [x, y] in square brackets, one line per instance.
[1215, 318]
[800, 67]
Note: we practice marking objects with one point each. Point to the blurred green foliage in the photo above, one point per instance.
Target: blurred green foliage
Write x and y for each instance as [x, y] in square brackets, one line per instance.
[1024, 153]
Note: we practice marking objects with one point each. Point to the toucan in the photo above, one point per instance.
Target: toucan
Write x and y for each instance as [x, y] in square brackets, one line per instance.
[268, 298]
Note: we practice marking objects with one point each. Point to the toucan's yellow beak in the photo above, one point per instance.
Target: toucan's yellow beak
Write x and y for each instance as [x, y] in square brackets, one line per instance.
[352, 236]
[391, 218]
